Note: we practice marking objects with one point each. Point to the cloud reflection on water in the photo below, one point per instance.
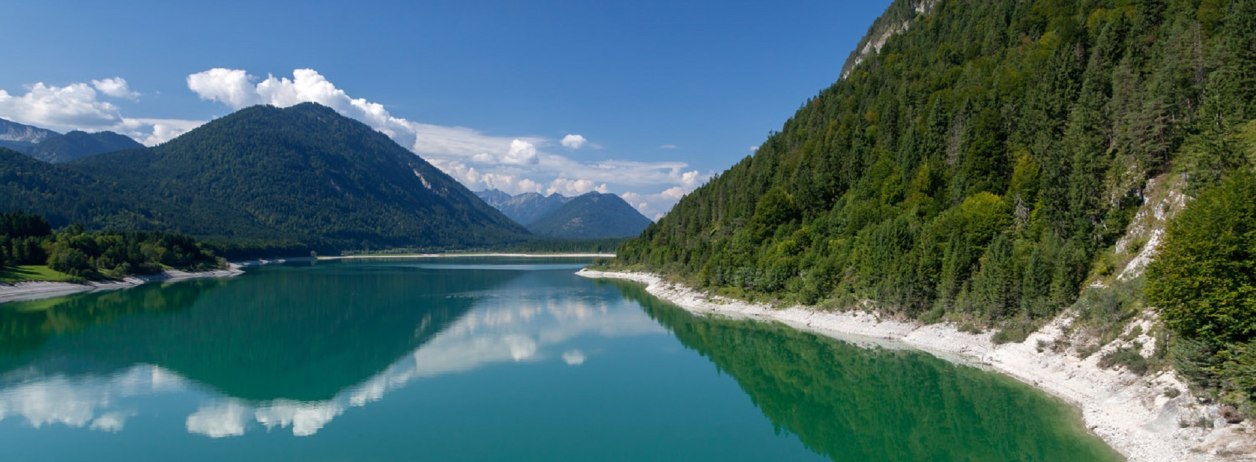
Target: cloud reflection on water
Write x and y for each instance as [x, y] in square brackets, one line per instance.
[91, 401]
[500, 330]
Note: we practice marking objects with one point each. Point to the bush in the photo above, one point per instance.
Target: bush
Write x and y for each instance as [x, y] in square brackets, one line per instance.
[1127, 357]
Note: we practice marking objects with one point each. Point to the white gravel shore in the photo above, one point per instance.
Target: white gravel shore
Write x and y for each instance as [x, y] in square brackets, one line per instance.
[42, 289]
[1131, 413]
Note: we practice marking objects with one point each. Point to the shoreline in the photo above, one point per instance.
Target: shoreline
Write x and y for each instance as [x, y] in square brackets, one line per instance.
[35, 290]
[459, 255]
[1132, 414]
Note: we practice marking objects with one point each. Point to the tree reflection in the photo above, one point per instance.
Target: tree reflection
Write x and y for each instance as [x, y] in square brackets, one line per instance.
[851, 403]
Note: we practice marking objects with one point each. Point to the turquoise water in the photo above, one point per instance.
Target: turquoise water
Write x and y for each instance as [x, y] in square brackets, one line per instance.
[478, 359]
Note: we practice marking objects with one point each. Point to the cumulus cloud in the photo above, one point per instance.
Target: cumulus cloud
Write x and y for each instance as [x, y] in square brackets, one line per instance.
[233, 87]
[78, 106]
[115, 87]
[573, 141]
[521, 152]
[59, 108]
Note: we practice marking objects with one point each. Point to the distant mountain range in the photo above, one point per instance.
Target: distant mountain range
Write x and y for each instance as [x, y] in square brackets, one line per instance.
[589, 216]
[525, 208]
[50, 146]
[263, 177]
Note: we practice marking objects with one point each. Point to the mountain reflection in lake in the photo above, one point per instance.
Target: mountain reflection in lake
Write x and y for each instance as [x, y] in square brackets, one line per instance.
[433, 358]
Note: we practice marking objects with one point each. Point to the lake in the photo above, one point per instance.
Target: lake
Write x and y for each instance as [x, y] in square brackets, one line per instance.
[480, 359]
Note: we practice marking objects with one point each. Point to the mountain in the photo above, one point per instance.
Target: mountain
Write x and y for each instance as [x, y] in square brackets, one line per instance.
[20, 137]
[591, 216]
[77, 144]
[976, 162]
[525, 208]
[270, 177]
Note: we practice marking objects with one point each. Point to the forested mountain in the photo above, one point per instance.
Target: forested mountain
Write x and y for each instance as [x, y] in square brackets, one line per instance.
[976, 167]
[591, 216]
[525, 208]
[266, 177]
[77, 144]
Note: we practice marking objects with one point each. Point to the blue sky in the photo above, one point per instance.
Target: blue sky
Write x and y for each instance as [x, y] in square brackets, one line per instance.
[661, 94]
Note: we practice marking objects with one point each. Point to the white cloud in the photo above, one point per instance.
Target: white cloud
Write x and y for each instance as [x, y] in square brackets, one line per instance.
[656, 205]
[668, 146]
[59, 108]
[151, 132]
[521, 152]
[573, 141]
[77, 106]
[527, 185]
[674, 192]
[115, 87]
[568, 187]
[230, 86]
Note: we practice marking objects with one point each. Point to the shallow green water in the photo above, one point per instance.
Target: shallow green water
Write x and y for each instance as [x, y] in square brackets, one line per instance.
[474, 359]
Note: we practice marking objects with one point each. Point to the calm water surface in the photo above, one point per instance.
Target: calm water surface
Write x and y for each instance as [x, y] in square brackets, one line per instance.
[478, 359]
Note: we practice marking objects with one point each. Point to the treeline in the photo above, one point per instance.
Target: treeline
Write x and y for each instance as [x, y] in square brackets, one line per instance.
[975, 167]
[27, 239]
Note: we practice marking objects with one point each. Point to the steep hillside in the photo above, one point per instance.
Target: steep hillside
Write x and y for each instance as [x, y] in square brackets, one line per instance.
[77, 144]
[591, 216]
[975, 166]
[264, 176]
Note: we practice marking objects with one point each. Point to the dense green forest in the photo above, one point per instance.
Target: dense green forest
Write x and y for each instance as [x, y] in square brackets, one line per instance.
[27, 239]
[976, 167]
[1204, 282]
